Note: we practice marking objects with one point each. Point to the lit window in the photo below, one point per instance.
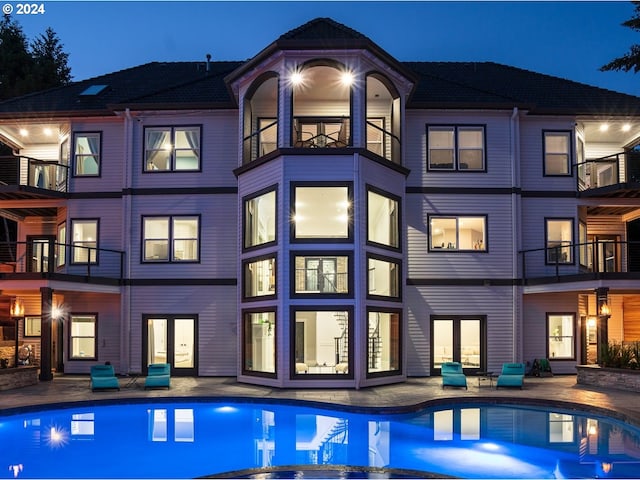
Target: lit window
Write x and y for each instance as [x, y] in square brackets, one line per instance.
[260, 342]
[84, 235]
[61, 239]
[457, 234]
[32, 326]
[315, 274]
[171, 239]
[260, 277]
[561, 428]
[86, 154]
[260, 219]
[172, 149]
[452, 148]
[559, 233]
[383, 219]
[384, 278]
[322, 212]
[383, 342]
[557, 153]
[561, 336]
[83, 337]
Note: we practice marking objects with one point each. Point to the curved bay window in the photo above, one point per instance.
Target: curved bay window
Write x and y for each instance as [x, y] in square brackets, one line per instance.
[383, 118]
[260, 132]
[321, 106]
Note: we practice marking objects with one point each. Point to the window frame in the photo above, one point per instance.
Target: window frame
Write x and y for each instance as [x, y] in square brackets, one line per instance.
[456, 147]
[569, 135]
[398, 224]
[74, 154]
[329, 184]
[456, 354]
[171, 239]
[400, 346]
[61, 245]
[245, 217]
[456, 217]
[245, 265]
[246, 319]
[72, 337]
[96, 249]
[395, 261]
[551, 336]
[308, 254]
[28, 333]
[172, 156]
[571, 243]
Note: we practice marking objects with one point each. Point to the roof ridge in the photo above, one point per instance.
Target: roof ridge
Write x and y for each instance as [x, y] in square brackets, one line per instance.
[319, 22]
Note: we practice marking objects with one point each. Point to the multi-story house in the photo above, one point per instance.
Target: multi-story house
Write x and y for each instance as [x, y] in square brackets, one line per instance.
[320, 215]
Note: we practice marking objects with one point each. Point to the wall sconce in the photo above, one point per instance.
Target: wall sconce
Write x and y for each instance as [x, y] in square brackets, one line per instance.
[17, 308]
[607, 467]
[605, 311]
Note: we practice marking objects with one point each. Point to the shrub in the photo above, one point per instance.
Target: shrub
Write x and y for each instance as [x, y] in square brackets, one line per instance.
[620, 355]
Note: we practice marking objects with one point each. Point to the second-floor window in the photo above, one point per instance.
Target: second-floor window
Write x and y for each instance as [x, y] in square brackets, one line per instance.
[559, 232]
[321, 212]
[170, 239]
[458, 233]
[171, 149]
[86, 154]
[383, 219]
[557, 153]
[456, 148]
[321, 274]
[84, 238]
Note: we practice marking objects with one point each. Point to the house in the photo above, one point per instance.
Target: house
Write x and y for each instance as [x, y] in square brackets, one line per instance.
[321, 215]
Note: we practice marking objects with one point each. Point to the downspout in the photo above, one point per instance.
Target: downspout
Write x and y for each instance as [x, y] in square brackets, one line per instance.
[516, 293]
[125, 304]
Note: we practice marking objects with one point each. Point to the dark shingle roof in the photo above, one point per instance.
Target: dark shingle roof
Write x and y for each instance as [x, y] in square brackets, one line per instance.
[322, 29]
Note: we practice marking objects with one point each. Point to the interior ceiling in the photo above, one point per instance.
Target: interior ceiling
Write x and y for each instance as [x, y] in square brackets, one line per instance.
[615, 132]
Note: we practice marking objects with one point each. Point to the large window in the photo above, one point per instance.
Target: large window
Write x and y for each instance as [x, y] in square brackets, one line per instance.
[383, 219]
[321, 274]
[452, 148]
[171, 148]
[321, 212]
[557, 153]
[84, 238]
[260, 342]
[457, 233]
[383, 277]
[260, 277]
[559, 234]
[260, 219]
[561, 328]
[83, 333]
[321, 342]
[170, 239]
[86, 154]
[383, 342]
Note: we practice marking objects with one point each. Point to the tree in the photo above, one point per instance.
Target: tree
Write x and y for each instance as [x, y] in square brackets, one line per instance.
[50, 68]
[631, 60]
[16, 63]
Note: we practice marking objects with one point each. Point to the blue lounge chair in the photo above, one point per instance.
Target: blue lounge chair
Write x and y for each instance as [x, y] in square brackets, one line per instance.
[158, 376]
[452, 375]
[103, 377]
[512, 375]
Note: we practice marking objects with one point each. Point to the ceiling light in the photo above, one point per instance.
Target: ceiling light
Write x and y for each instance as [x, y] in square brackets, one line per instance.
[347, 78]
[604, 127]
[296, 78]
[24, 132]
[626, 127]
[47, 131]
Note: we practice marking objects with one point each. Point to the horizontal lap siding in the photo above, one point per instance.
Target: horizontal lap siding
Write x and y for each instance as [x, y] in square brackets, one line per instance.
[496, 303]
[217, 325]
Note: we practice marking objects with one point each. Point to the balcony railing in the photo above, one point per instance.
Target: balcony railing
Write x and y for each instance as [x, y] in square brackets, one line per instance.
[42, 258]
[609, 170]
[596, 259]
[313, 281]
[27, 171]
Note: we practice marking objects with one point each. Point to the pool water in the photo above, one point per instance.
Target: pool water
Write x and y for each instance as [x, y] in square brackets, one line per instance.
[181, 439]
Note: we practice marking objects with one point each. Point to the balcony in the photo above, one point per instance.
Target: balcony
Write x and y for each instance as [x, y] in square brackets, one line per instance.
[44, 259]
[610, 175]
[44, 175]
[594, 260]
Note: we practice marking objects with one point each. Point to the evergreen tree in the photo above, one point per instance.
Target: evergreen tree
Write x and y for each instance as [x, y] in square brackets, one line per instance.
[631, 60]
[16, 64]
[50, 68]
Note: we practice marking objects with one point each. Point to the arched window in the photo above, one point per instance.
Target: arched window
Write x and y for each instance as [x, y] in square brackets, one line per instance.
[260, 118]
[383, 118]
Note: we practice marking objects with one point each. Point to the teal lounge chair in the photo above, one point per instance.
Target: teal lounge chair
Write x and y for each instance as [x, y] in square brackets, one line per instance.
[512, 375]
[452, 375]
[103, 377]
[158, 376]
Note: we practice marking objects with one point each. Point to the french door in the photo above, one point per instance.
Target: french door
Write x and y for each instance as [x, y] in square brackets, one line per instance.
[172, 340]
[40, 253]
[458, 339]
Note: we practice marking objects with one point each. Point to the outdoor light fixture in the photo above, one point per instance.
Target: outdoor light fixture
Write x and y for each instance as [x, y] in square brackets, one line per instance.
[17, 308]
[605, 311]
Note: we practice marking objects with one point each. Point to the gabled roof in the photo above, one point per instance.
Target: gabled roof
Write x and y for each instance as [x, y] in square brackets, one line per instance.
[322, 29]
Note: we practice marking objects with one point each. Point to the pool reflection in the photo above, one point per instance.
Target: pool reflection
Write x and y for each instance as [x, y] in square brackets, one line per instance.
[186, 440]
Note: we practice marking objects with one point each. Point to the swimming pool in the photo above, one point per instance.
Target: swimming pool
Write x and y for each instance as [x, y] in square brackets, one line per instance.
[236, 438]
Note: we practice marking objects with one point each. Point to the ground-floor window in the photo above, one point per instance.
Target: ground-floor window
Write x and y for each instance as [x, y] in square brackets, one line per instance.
[321, 342]
[561, 331]
[172, 339]
[383, 342]
[459, 339]
[259, 342]
[83, 337]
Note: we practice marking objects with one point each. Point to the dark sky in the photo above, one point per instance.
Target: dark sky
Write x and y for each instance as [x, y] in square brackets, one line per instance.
[566, 39]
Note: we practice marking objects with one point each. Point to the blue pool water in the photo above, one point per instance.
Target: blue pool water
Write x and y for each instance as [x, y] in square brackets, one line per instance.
[181, 439]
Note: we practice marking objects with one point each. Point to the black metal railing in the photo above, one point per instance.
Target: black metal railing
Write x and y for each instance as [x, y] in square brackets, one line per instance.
[32, 172]
[41, 256]
[609, 170]
[310, 280]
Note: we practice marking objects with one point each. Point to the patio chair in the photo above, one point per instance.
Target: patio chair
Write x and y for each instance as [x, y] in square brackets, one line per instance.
[158, 376]
[103, 377]
[452, 375]
[512, 375]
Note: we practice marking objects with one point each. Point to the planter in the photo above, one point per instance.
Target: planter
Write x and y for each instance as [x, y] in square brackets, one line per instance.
[18, 377]
[618, 378]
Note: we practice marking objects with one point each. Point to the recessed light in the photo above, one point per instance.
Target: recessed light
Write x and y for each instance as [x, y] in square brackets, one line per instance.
[24, 132]
[626, 127]
[604, 127]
